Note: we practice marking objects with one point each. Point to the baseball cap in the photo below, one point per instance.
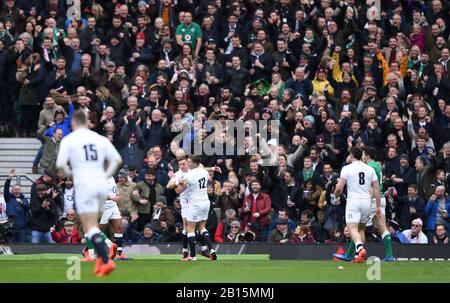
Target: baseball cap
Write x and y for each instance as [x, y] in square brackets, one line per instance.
[111, 64]
[211, 41]
[371, 87]
[67, 223]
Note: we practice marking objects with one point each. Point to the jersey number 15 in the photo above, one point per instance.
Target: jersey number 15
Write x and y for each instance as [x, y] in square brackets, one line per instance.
[90, 152]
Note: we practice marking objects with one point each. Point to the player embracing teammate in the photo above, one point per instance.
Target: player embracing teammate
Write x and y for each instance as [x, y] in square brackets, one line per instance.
[191, 183]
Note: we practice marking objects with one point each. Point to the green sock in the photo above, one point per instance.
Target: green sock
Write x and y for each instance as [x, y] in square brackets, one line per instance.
[90, 247]
[105, 238]
[351, 249]
[388, 245]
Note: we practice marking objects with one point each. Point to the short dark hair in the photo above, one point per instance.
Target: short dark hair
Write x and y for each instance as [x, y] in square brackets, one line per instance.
[308, 213]
[196, 159]
[356, 152]
[370, 151]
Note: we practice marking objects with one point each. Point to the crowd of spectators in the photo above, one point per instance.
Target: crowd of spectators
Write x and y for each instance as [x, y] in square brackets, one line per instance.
[330, 74]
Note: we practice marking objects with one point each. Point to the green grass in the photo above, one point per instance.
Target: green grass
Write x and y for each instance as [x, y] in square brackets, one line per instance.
[229, 268]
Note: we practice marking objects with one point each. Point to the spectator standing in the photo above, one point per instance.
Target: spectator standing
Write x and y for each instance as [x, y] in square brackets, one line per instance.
[437, 210]
[43, 209]
[256, 210]
[17, 209]
[145, 196]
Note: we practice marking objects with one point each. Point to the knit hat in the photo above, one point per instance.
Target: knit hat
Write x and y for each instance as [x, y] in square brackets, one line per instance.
[140, 36]
[310, 119]
[235, 224]
[272, 142]
[162, 199]
[142, 3]
[417, 221]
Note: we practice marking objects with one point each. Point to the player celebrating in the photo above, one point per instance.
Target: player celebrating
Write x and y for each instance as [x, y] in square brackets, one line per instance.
[82, 154]
[360, 179]
[112, 215]
[195, 182]
[378, 221]
[184, 195]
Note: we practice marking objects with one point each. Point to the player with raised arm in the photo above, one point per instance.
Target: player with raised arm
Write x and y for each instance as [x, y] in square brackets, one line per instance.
[378, 221]
[83, 154]
[184, 195]
[361, 182]
[195, 182]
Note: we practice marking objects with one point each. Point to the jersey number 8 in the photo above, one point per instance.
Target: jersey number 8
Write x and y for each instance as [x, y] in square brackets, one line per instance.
[362, 179]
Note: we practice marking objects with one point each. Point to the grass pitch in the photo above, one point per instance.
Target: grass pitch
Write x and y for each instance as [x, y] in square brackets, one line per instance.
[228, 268]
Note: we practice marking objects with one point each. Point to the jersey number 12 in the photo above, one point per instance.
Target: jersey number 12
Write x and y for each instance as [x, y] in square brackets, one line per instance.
[90, 152]
[202, 183]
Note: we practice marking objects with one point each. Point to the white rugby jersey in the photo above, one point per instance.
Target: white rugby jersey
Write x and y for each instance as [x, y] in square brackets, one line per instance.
[86, 152]
[112, 191]
[359, 178]
[196, 183]
[184, 195]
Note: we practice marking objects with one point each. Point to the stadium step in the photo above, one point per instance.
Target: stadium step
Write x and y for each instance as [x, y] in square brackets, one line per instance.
[19, 153]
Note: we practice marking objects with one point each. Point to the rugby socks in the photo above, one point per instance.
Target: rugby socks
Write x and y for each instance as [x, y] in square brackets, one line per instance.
[90, 247]
[105, 238]
[387, 244]
[207, 239]
[203, 244]
[94, 234]
[118, 239]
[191, 241]
[358, 246]
[184, 238]
[351, 249]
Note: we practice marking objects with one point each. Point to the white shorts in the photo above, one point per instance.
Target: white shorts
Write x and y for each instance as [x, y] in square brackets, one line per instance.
[198, 212]
[90, 196]
[111, 212]
[357, 211]
[373, 207]
[184, 208]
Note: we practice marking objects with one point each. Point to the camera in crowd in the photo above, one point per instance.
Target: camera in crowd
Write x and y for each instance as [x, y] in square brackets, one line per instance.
[5, 230]
[246, 237]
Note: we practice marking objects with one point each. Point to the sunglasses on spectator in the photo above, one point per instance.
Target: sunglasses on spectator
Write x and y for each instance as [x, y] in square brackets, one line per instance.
[415, 225]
